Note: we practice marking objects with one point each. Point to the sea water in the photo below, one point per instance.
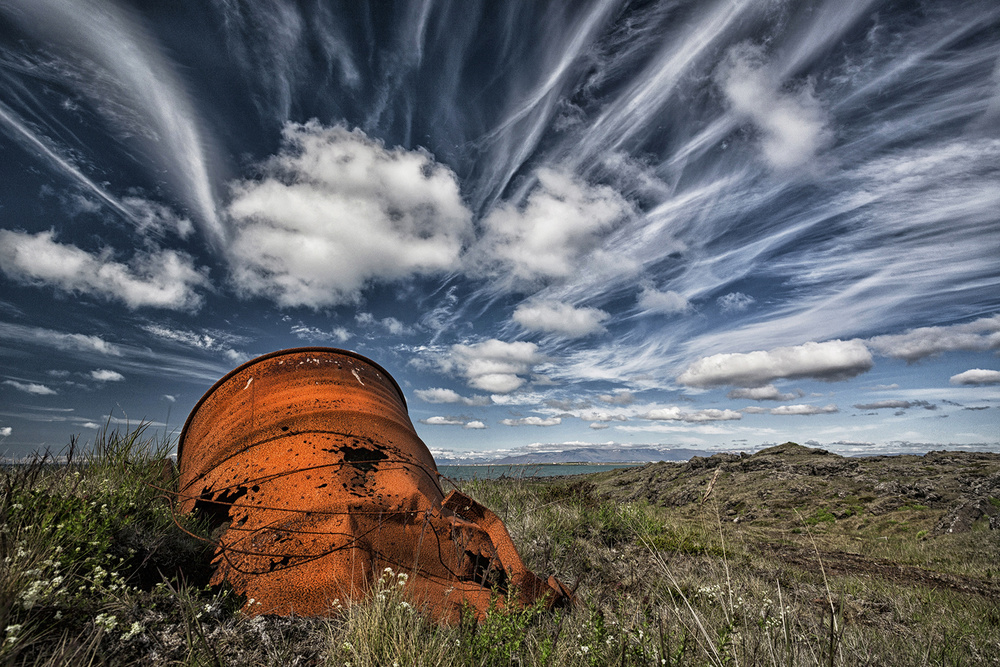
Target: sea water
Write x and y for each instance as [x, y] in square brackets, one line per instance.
[484, 471]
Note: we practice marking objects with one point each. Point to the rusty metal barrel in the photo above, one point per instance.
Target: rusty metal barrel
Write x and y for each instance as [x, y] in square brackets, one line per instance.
[307, 461]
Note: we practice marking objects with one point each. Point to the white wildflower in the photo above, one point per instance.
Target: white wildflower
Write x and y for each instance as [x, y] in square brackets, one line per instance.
[106, 621]
[133, 630]
[12, 631]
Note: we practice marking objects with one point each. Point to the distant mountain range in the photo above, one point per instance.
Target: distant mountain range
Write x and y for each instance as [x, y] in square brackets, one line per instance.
[602, 454]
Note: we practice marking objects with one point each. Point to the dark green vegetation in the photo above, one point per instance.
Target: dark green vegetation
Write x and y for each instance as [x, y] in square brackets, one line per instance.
[789, 557]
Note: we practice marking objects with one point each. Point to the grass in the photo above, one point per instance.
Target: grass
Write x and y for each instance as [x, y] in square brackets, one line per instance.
[96, 569]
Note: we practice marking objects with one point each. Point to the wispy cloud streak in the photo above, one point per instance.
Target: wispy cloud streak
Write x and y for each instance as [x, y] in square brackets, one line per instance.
[117, 64]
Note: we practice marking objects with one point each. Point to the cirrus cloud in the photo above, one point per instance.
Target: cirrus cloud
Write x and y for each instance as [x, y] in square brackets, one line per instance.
[212, 341]
[31, 388]
[71, 342]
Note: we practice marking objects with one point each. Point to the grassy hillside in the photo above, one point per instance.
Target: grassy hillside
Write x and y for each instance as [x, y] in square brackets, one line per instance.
[792, 556]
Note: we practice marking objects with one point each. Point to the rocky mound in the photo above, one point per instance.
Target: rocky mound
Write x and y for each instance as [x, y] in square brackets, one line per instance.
[947, 491]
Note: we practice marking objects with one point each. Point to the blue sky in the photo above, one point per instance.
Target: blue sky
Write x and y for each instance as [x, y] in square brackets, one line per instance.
[715, 225]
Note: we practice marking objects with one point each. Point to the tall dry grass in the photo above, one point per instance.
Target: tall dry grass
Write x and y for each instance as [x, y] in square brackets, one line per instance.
[95, 569]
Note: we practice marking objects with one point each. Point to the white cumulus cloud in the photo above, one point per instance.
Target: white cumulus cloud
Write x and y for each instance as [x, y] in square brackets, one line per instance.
[560, 318]
[562, 221]
[977, 376]
[594, 416]
[464, 422]
[829, 361]
[336, 210]
[674, 413]
[894, 404]
[766, 393]
[493, 365]
[441, 395]
[793, 126]
[618, 398]
[161, 279]
[5, 431]
[804, 410]
[103, 375]
[390, 324]
[980, 335]
[153, 218]
[444, 421]
[735, 302]
[338, 334]
[655, 302]
[532, 421]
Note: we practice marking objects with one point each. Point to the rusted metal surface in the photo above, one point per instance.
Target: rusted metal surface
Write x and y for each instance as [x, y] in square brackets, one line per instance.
[308, 459]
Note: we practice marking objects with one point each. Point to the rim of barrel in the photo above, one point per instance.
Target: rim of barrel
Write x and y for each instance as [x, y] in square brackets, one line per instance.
[278, 353]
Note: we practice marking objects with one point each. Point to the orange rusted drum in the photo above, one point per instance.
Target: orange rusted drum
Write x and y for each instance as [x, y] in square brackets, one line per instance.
[308, 460]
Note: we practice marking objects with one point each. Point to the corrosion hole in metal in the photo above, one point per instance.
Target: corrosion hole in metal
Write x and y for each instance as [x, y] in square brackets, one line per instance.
[486, 574]
[279, 564]
[215, 507]
[363, 459]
